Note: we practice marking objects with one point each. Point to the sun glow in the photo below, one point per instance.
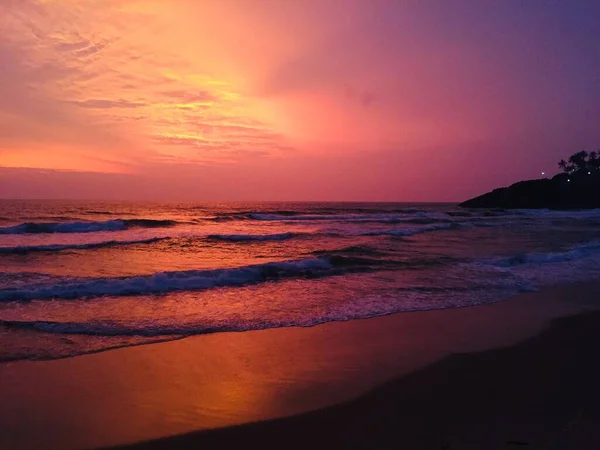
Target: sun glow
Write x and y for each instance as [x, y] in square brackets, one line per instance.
[286, 91]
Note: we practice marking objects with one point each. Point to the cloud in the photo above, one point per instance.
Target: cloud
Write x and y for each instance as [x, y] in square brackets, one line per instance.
[92, 49]
[139, 84]
[180, 140]
[74, 74]
[74, 46]
[183, 96]
[107, 104]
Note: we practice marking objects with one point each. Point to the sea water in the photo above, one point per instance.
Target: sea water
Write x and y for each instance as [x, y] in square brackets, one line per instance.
[79, 277]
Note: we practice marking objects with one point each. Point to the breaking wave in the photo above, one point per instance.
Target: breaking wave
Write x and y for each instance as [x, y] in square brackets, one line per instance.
[408, 216]
[163, 282]
[410, 231]
[24, 249]
[85, 227]
[573, 253]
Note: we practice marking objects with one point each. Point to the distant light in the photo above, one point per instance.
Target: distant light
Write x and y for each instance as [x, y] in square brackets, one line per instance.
[543, 173]
[589, 173]
[569, 180]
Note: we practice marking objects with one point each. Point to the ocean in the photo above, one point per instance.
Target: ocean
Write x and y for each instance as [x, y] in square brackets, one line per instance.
[79, 277]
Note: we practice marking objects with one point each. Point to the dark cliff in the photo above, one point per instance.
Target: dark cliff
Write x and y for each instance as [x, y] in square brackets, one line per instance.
[579, 190]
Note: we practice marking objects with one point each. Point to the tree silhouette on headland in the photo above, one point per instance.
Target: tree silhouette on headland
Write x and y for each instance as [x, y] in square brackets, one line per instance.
[581, 161]
[576, 187]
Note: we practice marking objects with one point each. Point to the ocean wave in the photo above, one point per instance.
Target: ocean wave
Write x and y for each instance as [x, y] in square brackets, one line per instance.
[52, 218]
[253, 237]
[246, 215]
[354, 210]
[163, 282]
[328, 264]
[401, 216]
[367, 257]
[360, 249]
[84, 227]
[313, 214]
[436, 226]
[99, 328]
[410, 231]
[150, 223]
[331, 216]
[383, 218]
[415, 299]
[93, 328]
[555, 214]
[24, 249]
[572, 253]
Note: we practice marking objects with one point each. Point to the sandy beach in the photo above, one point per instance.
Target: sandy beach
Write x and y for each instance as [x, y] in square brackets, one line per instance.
[514, 373]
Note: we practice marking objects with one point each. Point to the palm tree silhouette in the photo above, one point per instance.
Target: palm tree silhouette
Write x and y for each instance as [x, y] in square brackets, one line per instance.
[566, 167]
[581, 161]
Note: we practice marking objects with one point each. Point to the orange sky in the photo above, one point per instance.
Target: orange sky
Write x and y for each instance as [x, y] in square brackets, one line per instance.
[283, 99]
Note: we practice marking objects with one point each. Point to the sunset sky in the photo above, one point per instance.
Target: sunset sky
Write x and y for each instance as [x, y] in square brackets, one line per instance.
[292, 99]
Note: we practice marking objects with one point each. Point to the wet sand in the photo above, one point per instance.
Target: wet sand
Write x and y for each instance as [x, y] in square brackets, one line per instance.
[425, 380]
[539, 394]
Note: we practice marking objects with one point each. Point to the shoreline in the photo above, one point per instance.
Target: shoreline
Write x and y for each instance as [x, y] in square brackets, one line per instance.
[160, 340]
[226, 379]
[538, 394]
